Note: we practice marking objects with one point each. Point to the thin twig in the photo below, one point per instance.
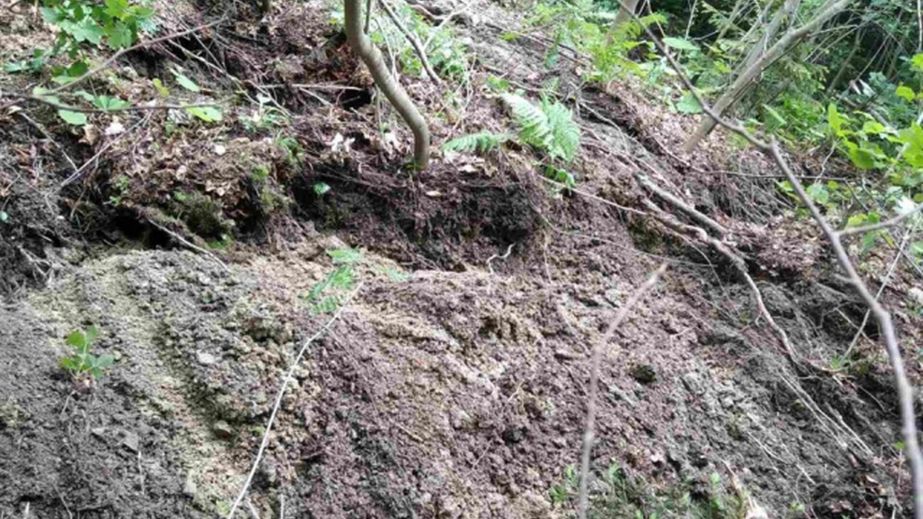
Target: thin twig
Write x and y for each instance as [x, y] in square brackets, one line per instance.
[412, 39]
[849, 231]
[275, 408]
[596, 360]
[683, 206]
[189, 244]
[112, 59]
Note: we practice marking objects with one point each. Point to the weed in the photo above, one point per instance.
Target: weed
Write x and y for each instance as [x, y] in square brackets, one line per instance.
[616, 494]
[82, 363]
[326, 296]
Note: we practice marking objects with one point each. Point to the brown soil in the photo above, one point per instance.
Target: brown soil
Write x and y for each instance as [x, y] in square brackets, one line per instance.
[455, 383]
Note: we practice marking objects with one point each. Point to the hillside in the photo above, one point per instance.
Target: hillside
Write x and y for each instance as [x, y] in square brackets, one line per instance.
[463, 301]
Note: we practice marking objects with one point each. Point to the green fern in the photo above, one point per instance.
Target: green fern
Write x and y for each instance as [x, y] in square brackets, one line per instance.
[481, 142]
[549, 127]
[565, 135]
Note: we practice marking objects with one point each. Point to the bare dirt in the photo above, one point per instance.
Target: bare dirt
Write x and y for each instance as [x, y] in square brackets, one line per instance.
[454, 384]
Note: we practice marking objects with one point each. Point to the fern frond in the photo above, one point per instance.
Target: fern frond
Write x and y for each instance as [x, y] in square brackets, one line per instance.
[565, 134]
[534, 128]
[480, 142]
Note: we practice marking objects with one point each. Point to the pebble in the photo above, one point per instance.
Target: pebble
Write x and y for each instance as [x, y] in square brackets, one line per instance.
[206, 358]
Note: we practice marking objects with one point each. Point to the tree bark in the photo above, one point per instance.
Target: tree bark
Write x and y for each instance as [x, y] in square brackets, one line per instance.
[760, 61]
[389, 86]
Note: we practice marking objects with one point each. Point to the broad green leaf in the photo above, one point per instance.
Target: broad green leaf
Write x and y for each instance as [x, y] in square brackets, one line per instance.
[688, 104]
[321, 188]
[679, 43]
[917, 62]
[873, 128]
[913, 138]
[818, 193]
[906, 93]
[86, 29]
[861, 156]
[14, 67]
[91, 334]
[53, 15]
[77, 339]
[209, 114]
[835, 120]
[103, 361]
[70, 364]
[108, 103]
[185, 82]
[119, 35]
[117, 8]
[73, 118]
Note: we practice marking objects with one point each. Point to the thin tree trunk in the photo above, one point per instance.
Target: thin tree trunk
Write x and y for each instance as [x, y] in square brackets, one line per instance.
[624, 15]
[388, 85]
[763, 60]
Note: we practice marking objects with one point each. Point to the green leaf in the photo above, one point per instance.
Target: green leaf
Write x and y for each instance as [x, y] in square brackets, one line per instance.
[15, 67]
[103, 361]
[688, 104]
[345, 256]
[861, 156]
[917, 62]
[91, 333]
[73, 118]
[774, 115]
[70, 364]
[679, 43]
[109, 103]
[77, 339]
[913, 138]
[4, 217]
[162, 90]
[565, 134]
[117, 8]
[906, 93]
[835, 120]
[119, 35]
[209, 114]
[185, 82]
[873, 128]
[480, 142]
[818, 193]
[84, 30]
[321, 188]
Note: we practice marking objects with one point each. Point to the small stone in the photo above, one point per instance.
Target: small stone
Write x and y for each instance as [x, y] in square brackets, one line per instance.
[562, 354]
[131, 441]
[459, 419]
[222, 430]
[643, 373]
[205, 358]
[189, 487]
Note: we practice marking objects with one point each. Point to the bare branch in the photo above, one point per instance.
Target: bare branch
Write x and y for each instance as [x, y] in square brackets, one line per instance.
[596, 360]
[289, 375]
[412, 39]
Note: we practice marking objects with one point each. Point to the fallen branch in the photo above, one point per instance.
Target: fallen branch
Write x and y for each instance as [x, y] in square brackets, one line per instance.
[596, 360]
[679, 204]
[289, 375]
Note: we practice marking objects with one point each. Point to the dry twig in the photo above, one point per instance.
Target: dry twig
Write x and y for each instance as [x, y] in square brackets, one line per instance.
[596, 360]
[278, 403]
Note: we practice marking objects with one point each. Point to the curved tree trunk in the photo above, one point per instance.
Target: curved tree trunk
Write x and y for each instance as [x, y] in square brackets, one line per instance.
[371, 56]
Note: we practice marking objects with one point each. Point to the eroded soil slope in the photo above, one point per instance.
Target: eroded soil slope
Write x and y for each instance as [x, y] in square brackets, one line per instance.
[454, 383]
